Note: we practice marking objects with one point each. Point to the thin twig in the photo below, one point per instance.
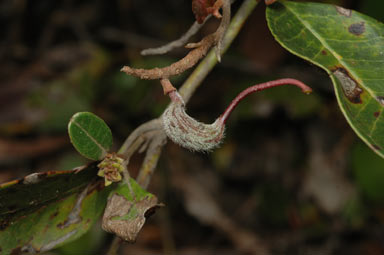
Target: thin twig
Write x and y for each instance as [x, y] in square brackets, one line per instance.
[220, 33]
[176, 68]
[151, 158]
[201, 49]
[177, 43]
[151, 125]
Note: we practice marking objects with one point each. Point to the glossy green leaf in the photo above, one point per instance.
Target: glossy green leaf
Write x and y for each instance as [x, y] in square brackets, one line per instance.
[89, 134]
[46, 210]
[350, 47]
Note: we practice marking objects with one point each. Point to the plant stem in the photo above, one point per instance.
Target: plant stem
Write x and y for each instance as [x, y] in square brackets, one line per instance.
[114, 248]
[259, 87]
[207, 64]
[198, 75]
[187, 90]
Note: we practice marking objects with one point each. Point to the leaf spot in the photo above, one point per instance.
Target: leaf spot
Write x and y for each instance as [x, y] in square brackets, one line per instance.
[350, 87]
[324, 52]
[376, 114]
[357, 28]
[343, 11]
[53, 215]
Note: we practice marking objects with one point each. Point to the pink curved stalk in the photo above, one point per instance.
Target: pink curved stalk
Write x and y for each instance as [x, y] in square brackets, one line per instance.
[258, 87]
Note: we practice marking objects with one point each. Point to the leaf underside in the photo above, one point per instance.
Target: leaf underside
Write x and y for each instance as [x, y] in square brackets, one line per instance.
[46, 210]
[90, 135]
[350, 47]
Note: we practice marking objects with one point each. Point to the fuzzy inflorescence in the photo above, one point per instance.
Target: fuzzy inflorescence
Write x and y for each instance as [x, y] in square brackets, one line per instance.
[196, 136]
[188, 132]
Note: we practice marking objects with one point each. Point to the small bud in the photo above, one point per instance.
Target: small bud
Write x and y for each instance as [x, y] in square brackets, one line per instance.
[100, 173]
[107, 183]
[110, 168]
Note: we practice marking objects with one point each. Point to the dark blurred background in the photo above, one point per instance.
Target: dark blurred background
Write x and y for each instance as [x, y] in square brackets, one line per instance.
[290, 177]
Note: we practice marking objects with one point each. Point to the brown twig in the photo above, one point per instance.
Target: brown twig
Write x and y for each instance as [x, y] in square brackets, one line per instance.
[176, 68]
[167, 86]
[192, 57]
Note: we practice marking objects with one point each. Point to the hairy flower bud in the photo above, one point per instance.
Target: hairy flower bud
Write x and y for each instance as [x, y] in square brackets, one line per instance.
[196, 136]
[188, 132]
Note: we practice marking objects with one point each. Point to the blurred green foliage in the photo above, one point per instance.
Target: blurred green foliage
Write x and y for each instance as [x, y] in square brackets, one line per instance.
[368, 170]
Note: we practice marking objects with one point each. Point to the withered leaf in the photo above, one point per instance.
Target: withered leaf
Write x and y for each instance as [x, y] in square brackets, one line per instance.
[127, 209]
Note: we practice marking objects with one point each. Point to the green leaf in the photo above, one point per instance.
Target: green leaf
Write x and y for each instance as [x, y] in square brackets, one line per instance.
[128, 207]
[350, 47]
[89, 244]
[89, 134]
[45, 210]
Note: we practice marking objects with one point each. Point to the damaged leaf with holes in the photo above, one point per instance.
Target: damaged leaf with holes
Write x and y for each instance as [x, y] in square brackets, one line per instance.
[127, 209]
[350, 47]
[43, 211]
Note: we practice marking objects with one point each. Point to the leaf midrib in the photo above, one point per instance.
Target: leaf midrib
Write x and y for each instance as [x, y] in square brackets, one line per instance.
[103, 150]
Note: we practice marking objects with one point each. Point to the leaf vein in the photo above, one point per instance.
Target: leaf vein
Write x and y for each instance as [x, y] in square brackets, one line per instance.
[103, 150]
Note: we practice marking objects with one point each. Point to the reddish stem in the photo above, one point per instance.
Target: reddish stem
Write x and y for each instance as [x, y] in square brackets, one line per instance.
[259, 87]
